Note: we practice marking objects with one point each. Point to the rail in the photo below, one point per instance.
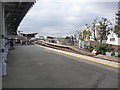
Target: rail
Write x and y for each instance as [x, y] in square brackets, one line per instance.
[64, 48]
[74, 50]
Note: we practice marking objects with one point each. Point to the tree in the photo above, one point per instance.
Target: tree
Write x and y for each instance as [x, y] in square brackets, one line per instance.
[102, 48]
[117, 30]
[94, 28]
[103, 27]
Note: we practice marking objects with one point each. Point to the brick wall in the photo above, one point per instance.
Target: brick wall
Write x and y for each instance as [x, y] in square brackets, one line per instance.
[116, 48]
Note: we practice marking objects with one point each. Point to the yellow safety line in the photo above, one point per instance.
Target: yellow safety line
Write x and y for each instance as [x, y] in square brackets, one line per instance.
[116, 66]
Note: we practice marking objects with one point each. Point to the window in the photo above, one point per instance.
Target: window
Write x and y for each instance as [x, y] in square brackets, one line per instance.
[112, 39]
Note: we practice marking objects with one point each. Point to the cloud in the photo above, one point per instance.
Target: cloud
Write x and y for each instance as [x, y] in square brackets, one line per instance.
[50, 18]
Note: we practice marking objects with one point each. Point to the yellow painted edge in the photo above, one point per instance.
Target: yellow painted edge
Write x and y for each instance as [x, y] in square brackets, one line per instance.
[116, 66]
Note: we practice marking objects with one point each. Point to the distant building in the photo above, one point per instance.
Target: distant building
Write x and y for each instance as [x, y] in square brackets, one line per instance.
[41, 38]
[51, 39]
[85, 34]
[113, 39]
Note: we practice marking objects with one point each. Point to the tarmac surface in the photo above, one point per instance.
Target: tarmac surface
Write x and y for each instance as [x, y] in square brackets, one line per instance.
[35, 67]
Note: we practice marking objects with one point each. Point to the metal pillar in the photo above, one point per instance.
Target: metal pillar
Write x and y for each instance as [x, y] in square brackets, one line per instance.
[0, 45]
[0, 38]
[2, 41]
[6, 45]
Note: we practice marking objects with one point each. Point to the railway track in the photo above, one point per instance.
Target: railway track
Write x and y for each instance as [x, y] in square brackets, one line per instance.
[74, 50]
[64, 48]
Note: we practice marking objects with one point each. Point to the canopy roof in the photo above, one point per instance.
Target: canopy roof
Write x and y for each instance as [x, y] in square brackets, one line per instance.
[14, 13]
[29, 34]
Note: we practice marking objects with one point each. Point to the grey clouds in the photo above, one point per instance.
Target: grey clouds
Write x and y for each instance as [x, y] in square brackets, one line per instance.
[50, 18]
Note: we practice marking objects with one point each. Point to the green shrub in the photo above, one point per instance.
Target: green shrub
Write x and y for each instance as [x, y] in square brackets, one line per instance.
[102, 48]
[118, 55]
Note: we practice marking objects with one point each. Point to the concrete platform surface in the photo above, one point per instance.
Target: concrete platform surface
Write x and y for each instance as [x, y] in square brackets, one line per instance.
[35, 67]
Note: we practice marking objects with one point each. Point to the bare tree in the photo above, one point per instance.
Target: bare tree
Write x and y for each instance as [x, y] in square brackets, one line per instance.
[117, 30]
[94, 28]
[103, 28]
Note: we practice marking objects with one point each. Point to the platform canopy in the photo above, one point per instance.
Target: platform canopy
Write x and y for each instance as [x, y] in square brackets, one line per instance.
[14, 13]
[28, 34]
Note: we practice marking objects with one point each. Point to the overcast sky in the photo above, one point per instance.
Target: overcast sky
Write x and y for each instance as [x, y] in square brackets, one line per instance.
[64, 18]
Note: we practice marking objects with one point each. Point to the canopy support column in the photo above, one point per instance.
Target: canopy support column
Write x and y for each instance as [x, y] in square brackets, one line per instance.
[3, 69]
